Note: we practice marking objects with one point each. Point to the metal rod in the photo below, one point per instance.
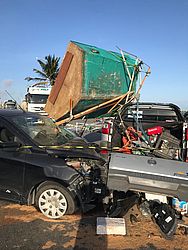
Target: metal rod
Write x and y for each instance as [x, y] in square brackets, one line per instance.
[126, 66]
[131, 83]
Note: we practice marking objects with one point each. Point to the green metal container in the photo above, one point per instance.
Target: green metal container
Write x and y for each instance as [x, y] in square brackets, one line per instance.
[105, 75]
[90, 76]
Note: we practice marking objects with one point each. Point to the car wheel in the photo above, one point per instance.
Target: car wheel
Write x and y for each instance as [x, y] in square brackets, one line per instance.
[53, 200]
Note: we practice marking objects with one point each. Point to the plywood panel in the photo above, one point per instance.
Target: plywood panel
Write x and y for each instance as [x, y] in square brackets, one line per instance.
[68, 85]
[61, 77]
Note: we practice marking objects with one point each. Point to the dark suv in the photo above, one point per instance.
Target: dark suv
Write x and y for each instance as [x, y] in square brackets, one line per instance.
[152, 114]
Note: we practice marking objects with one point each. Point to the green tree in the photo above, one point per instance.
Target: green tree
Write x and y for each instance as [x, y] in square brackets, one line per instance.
[49, 70]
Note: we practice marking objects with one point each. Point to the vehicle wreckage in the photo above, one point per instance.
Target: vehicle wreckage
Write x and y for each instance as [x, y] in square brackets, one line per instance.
[43, 165]
[53, 169]
[104, 82]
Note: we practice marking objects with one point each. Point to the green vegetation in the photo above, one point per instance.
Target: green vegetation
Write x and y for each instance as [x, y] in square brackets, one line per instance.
[48, 72]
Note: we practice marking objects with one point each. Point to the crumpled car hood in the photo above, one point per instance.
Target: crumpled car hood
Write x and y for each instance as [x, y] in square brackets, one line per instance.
[76, 148]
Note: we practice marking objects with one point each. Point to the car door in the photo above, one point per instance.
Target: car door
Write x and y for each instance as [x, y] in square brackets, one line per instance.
[12, 165]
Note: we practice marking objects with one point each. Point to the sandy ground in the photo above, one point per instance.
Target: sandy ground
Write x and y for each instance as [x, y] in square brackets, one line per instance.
[23, 227]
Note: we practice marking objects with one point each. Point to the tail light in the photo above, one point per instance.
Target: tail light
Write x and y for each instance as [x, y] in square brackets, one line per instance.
[106, 128]
[155, 130]
[104, 152]
[186, 136]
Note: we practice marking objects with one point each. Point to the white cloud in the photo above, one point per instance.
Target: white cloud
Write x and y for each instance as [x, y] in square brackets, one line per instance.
[7, 83]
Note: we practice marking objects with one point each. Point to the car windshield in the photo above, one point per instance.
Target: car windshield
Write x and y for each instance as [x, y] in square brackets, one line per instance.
[42, 130]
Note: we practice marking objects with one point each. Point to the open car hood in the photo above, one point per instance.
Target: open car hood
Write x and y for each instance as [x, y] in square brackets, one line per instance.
[76, 148]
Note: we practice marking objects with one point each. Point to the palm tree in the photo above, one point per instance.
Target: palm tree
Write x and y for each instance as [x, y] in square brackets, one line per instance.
[48, 72]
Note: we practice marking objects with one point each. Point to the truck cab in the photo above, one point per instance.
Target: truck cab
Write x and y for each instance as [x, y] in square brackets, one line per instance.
[36, 98]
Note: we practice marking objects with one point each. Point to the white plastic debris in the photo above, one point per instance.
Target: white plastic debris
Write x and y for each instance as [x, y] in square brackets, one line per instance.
[156, 197]
[111, 226]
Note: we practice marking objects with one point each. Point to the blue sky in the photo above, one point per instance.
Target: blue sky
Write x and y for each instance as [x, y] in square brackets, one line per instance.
[154, 30]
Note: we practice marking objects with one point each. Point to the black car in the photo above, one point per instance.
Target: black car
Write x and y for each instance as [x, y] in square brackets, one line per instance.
[43, 165]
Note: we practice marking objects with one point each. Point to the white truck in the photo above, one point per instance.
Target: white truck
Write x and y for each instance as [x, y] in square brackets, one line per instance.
[36, 98]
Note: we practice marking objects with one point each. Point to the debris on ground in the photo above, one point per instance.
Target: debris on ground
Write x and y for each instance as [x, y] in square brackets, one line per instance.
[114, 226]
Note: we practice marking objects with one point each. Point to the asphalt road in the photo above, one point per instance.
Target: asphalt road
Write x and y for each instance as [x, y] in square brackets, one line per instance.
[24, 228]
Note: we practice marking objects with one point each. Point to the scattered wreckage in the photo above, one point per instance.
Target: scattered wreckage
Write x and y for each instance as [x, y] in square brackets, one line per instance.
[58, 172]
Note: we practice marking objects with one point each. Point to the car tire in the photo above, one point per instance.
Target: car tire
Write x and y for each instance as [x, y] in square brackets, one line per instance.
[54, 200]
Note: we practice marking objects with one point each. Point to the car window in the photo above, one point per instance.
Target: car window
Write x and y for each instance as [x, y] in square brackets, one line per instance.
[42, 130]
[7, 136]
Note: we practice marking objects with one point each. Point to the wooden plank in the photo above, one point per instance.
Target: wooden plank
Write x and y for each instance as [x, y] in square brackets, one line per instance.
[90, 110]
[61, 77]
[70, 84]
[123, 96]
